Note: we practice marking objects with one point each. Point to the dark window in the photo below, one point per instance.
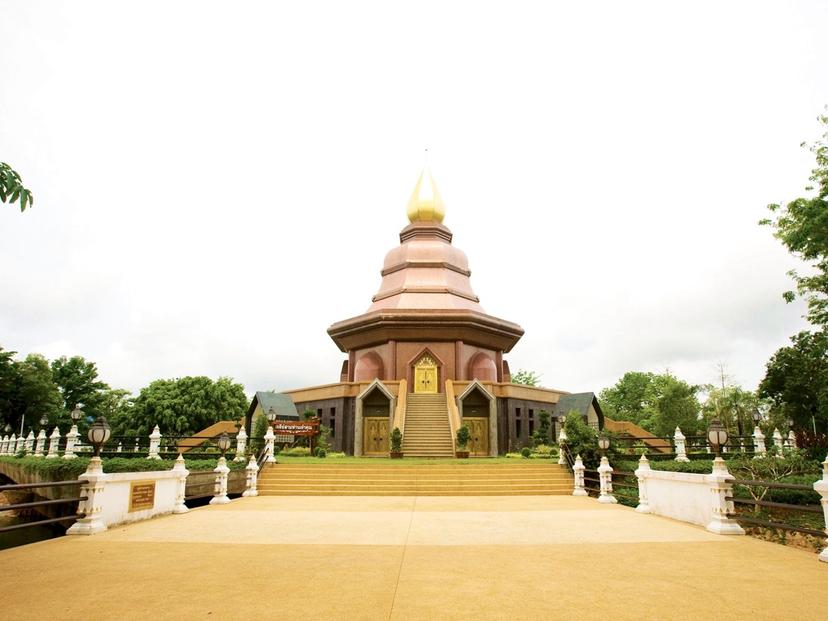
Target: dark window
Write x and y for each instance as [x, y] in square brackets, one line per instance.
[517, 428]
[531, 422]
[333, 422]
[319, 413]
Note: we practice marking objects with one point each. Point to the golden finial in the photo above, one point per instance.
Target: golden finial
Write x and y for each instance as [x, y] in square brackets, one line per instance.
[425, 204]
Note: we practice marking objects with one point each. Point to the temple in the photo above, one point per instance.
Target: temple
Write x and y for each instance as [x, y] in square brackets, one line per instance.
[425, 357]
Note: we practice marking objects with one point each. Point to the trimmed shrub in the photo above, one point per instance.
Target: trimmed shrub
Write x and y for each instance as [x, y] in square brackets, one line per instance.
[525, 452]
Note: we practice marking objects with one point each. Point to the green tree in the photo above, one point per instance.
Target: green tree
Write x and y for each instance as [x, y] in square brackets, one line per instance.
[186, 405]
[9, 387]
[541, 435]
[11, 188]
[796, 382]
[78, 382]
[37, 394]
[526, 378]
[581, 439]
[657, 402]
[116, 405]
[802, 226]
[732, 405]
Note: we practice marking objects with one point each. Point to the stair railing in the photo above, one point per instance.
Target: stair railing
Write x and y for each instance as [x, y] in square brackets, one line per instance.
[453, 412]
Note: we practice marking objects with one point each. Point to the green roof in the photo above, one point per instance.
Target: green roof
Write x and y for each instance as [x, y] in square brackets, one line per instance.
[281, 403]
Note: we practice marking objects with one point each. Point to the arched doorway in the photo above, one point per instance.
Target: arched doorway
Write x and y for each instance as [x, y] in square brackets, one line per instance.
[425, 375]
[478, 411]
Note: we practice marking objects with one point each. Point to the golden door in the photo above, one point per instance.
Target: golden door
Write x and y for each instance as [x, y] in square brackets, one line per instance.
[479, 441]
[425, 379]
[375, 439]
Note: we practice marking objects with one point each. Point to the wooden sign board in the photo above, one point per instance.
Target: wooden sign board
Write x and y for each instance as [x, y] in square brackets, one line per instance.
[141, 495]
[296, 428]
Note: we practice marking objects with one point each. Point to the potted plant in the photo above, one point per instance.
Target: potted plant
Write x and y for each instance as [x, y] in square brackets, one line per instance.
[396, 444]
[463, 437]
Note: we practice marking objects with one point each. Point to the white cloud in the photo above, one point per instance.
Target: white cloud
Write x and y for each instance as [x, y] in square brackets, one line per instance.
[216, 185]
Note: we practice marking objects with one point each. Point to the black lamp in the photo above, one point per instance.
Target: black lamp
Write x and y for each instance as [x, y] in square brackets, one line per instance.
[76, 414]
[44, 420]
[271, 414]
[717, 435]
[790, 423]
[98, 434]
[603, 443]
[8, 428]
[223, 443]
[757, 416]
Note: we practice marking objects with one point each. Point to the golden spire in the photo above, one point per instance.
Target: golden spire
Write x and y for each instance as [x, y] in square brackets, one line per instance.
[425, 204]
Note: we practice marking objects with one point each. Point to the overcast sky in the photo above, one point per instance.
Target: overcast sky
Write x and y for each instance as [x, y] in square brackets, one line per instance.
[217, 183]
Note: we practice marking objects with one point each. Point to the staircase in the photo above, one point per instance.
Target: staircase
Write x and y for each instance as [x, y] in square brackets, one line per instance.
[427, 432]
[497, 479]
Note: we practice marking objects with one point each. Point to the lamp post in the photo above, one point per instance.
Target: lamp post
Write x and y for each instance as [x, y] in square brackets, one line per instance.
[40, 447]
[717, 436]
[44, 420]
[98, 435]
[603, 444]
[220, 494]
[269, 438]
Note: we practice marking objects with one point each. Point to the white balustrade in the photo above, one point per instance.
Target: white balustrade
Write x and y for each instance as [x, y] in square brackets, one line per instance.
[20, 444]
[759, 448]
[777, 442]
[252, 471]
[578, 471]
[40, 447]
[641, 474]
[269, 441]
[71, 439]
[721, 488]
[180, 469]
[28, 445]
[4, 445]
[220, 494]
[605, 477]
[681, 446]
[241, 444]
[54, 444]
[155, 443]
[791, 439]
[93, 482]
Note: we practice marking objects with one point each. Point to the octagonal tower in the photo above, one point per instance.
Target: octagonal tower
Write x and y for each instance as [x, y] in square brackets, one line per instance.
[425, 324]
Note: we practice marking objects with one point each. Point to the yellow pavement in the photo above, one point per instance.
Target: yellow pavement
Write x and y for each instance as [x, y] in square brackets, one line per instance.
[553, 557]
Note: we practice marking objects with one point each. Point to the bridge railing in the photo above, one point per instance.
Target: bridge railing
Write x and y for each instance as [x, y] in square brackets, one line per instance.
[68, 520]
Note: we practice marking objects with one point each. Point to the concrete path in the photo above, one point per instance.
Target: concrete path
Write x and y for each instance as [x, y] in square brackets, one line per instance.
[536, 557]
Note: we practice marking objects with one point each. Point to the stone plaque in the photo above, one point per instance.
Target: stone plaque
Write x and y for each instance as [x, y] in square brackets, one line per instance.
[141, 495]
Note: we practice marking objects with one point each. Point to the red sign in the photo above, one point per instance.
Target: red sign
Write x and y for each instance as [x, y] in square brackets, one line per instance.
[296, 428]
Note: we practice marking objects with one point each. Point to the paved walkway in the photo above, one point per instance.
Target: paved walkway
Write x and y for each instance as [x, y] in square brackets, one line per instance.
[552, 557]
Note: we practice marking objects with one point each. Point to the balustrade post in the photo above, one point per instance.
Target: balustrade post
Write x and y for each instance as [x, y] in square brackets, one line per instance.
[269, 441]
[155, 442]
[721, 488]
[220, 493]
[28, 445]
[251, 470]
[759, 447]
[777, 442]
[181, 471]
[605, 477]
[120, 446]
[93, 482]
[40, 447]
[641, 474]
[821, 487]
[241, 444]
[54, 444]
[578, 471]
[791, 439]
[561, 444]
[681, 446]
[4, 445]
[18, 444]
[135, 449]
[71, 438]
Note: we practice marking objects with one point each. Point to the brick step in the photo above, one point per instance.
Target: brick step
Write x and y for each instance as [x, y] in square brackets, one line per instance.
[416, 485]
[353, 487]
[417, 477]
[471, 491]
[461, 467]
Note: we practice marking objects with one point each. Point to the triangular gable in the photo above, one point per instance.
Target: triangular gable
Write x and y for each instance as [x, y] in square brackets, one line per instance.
[374, 385]
[281, 403]
[472, 385]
